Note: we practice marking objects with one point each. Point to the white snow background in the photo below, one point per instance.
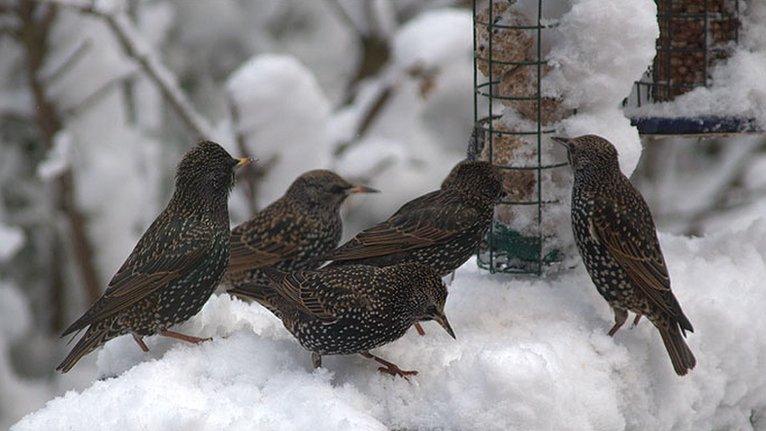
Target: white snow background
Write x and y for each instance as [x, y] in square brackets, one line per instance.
[530, 354]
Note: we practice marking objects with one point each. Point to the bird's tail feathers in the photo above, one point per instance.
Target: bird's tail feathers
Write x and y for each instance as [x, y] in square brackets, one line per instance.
[680, 355]
[89, 342]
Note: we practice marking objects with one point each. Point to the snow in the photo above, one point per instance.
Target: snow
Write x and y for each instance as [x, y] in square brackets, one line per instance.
[58, 158]
[283, 114]
[530, 354]
[11, 240]
[604, 47]
[434, 39]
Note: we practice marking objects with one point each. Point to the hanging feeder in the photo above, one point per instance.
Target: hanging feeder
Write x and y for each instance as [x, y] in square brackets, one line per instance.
[694, 36]
[508, 70]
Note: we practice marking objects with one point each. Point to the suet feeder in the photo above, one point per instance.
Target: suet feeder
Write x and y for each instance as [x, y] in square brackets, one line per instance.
[508, 70]
[694, 36]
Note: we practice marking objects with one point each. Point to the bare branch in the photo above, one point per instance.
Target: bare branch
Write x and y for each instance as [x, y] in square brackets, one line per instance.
[34, 40]
[95, 96]
[70, 61]
[135, 47]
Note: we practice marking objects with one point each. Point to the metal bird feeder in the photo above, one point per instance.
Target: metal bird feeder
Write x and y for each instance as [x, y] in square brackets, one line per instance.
[694, 36]
[508, 70]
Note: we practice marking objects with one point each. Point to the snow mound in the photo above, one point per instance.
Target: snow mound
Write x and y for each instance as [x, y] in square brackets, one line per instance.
[530, 354]
[434, 39]
[283, 115]
[604, 47]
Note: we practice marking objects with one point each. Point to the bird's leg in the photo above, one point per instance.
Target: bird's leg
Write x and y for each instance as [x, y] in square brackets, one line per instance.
[316, 359]
[620, 316]
[451, 278]
[183, 337]
[420, 330]
[389, 367]
[635, 321]
[140, 341]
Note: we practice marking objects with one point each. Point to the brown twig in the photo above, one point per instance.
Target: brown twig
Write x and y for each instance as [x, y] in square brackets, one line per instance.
[34, 34]
[137, 49]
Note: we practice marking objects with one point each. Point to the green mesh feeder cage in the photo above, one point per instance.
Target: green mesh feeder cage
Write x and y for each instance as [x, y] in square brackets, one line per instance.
[508, 71]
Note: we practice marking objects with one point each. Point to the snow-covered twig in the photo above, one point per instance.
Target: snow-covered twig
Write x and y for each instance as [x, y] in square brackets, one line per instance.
[136, 48]
[95, 96]
[70, 60]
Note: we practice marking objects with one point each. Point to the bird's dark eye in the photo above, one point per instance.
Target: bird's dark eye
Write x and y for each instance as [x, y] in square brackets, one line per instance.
[337, 189]
[431, 310]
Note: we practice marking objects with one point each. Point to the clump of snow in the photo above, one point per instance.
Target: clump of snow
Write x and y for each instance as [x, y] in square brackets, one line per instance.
[283, 113]
[604, 47]
[530, 354]
[11, 240]
[58, 158]
[434, 39]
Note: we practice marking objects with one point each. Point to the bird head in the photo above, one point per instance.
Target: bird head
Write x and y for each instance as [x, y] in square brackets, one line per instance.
[432, 293]
[590, 153]
[475, 178]
[321, 187]
[207, 171]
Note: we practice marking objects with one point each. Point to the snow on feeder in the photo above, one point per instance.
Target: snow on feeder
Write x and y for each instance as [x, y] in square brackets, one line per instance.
[511, 116]
[695, 37]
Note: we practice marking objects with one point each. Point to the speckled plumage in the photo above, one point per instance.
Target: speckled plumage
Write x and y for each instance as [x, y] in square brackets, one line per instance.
[441, 229]
[176, 264]
[617, 239]
[290, 234]
[352, 309]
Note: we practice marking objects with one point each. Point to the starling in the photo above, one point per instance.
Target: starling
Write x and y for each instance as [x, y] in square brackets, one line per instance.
[290, 234]
[353, 309]
[175, 266]
[617, 240]
[440, 229]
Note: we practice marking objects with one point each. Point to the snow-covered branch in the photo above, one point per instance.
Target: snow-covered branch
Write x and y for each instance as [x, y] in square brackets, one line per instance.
[135, 47]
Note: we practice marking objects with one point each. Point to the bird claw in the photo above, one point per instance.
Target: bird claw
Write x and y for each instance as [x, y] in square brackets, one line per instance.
[420, 330]
[396, 371]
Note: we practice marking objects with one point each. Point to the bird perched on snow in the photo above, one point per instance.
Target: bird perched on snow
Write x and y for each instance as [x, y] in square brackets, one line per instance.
[441, 229]
[175, 266]
[617, 240]
[290, 234]
[356, 308]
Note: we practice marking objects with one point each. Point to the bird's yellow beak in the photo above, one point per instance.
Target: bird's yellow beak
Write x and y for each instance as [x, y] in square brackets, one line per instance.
[244, 161]
[441, 319]
[362, 189]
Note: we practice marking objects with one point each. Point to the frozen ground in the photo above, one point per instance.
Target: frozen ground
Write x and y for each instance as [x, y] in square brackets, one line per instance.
[530, 354]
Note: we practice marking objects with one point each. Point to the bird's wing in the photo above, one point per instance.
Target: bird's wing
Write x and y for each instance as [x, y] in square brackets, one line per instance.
[631, 240]
[263, 241]
[416, 225]
[168, 250]
[320, 294]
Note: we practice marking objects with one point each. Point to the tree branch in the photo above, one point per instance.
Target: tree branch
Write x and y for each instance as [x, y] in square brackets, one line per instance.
[34, 40]
[136, 48]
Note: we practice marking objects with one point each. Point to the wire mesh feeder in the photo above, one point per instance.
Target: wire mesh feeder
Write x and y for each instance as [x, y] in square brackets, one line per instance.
[508, 53]
[694, 35]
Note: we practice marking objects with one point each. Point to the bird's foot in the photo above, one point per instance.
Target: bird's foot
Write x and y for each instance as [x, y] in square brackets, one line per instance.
[635, 321]
[316, 359]
[389, 367]
[420, 330]
[396, 371]
[183, 337]
[140, 341]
